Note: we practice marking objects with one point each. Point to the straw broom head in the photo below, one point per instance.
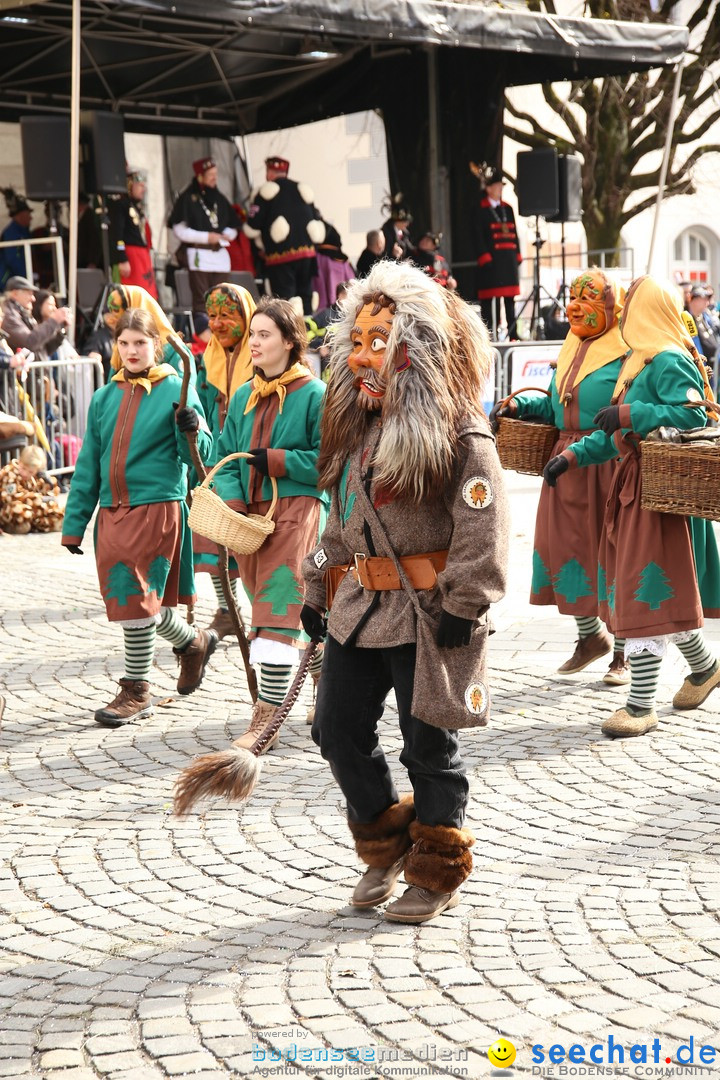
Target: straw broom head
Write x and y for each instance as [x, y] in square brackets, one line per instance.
[229, 774]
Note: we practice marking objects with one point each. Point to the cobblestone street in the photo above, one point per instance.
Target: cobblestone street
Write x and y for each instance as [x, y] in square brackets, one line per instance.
[137, 946]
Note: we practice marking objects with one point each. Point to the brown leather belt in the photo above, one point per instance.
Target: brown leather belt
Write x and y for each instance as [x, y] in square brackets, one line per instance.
[376, 573]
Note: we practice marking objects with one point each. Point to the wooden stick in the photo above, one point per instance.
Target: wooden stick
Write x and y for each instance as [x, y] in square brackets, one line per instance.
[223, 571]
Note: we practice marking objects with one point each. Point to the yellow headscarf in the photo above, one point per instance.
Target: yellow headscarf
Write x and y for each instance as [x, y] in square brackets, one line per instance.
[265, 387]
[215, 358]
[134, 296]
[596, 351]
[651, 323]
[155, 374]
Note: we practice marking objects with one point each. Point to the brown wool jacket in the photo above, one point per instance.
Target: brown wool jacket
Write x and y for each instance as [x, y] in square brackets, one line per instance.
[471, 520]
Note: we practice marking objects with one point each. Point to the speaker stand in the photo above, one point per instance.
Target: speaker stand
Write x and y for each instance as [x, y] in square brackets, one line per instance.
[105, 241]
[535, 296]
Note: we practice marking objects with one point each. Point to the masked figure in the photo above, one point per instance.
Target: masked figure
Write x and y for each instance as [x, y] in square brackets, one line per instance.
[570, 516]
[409, 458]
[225, 366]
[648, 591]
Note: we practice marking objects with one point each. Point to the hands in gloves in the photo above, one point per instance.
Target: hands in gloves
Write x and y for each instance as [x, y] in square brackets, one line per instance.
[74, 549]
[507, 408]
[555, 467]
[187, 419]
[259, 460]
[453, 632]
[608, 419]
[314, 624]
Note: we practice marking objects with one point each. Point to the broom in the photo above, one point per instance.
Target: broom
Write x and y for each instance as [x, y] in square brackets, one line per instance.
[232, 774]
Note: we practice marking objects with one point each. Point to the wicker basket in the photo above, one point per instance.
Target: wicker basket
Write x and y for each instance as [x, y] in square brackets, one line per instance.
[681, 478]
[211, 517]
[525, 445]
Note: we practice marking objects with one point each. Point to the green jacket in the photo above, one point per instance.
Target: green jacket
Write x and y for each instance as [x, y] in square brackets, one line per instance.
[292, 438]
[133, 452]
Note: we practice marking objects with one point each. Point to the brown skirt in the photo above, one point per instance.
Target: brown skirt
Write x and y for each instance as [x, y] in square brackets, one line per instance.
[567, 536]
[144, 559]
[647, 585]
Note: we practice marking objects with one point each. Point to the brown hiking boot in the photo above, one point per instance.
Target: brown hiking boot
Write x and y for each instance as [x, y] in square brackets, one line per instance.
[587, 649]
[310, 716]
[618, 674]
[193, 660]
[377, 885]
[132, 703]
[262, 714]
[222, 624]
[418, 905]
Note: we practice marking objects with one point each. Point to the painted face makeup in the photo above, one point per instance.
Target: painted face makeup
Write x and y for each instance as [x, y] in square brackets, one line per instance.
[369, 338]
[225, 318]
[586, 307]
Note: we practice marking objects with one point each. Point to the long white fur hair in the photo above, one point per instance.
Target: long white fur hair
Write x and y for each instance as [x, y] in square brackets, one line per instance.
[426, 403]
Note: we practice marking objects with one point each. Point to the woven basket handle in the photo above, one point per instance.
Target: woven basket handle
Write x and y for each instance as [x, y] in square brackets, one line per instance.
[242, 454]
[524, 390]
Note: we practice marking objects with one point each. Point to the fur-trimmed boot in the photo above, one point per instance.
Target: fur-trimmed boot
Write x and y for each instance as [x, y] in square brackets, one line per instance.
[435, 868]
[382, 844]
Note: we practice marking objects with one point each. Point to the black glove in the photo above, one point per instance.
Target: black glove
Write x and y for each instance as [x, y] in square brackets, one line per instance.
[314, 624]
[555, 467]
[453, 632]
[608, 419]
[500, 408]
[187, 419]
[259, 460]
[74, 549]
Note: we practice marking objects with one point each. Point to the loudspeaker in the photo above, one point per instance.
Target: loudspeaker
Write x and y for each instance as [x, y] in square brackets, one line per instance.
[46, 156]
[537, 183]
[569, 189]
[102, 153]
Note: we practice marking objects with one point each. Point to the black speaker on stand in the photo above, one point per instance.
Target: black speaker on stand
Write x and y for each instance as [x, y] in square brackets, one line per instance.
[45, 144]
[102, 171]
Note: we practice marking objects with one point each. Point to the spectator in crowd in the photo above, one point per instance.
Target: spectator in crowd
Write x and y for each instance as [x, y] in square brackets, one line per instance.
[240, 249]
[130, 235]
[12, 259]
[334, 268]
[284, 221]
[697, 306]
[98, 345]
[374, 252]
[21, 328]
[205, 223]
[29, 495]
[320, 330]
[428, 258]
[10, 361]
[398, 244]
[498, 251]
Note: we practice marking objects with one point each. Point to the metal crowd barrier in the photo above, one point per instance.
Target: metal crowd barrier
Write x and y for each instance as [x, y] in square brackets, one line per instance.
[522, 363]
[54, 397]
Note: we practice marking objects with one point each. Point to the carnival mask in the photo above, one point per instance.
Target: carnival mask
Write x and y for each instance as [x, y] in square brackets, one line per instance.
[369, 337]
[115, 308]
[586, 308]
[226, 318]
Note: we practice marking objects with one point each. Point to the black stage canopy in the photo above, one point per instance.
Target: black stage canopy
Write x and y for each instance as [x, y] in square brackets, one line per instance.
[436, 70]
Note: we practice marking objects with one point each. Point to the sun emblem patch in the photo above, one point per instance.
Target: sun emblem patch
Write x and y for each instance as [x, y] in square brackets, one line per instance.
[477, 492]
[320, 558]
[476, 699]
[694, 395]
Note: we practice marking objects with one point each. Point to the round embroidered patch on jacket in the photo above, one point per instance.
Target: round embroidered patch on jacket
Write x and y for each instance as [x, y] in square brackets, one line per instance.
[477, 492]
[476, 698]
[694, 395]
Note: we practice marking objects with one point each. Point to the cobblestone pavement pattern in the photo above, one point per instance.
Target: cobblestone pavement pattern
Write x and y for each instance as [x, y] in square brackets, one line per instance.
[139, 946]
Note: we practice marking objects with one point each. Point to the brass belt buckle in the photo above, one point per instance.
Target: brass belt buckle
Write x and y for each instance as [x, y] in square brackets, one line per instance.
[359, 555]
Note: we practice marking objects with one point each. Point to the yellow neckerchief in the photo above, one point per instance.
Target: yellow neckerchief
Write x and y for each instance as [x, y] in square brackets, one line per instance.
[598, 351]
[651, 324]
[265, 387]
[155, 374]
[136, 297]
[215, 358]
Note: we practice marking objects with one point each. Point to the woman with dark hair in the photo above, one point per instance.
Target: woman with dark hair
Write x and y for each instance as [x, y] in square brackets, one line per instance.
[275, 417]
[134, 463]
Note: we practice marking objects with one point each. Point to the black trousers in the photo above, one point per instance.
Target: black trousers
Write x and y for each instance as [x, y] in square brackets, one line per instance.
[490, 309]
[350, 701]
[293, 279]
